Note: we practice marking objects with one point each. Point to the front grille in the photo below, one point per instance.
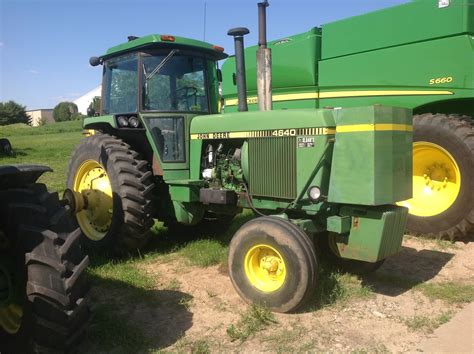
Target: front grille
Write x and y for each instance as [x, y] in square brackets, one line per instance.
[272, 167]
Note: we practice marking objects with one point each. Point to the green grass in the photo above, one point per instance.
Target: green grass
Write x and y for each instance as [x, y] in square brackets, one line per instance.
[427, 324]
[49, 145]
[123, 272]
[204, 253]
[451, 292]
[110, 328]
[255, 319]
[335, 288]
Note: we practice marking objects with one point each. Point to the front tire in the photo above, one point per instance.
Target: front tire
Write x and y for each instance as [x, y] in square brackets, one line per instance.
[273, 263]
[49, 313]
[118, 185]
[443, 176]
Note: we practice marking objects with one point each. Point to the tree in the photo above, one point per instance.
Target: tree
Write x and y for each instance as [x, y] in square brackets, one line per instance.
[12, 112]
[95, 104]
[65, 111]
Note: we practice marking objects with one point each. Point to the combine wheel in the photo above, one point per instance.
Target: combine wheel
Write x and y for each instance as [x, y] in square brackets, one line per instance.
[443, 176]
[46, 311]
[114, 188]
[273, 263]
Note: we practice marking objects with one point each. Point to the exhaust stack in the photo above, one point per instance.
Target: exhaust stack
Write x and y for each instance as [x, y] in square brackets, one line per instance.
[264, 61]
[238, 34]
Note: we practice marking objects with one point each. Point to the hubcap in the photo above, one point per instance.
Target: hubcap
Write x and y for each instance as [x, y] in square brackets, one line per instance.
[436, 180]
[10, 318]
[265, 268]
[10, 313]
[92, 182]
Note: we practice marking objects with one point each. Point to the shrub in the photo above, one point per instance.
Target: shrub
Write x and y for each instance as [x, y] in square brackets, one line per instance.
[65, 111]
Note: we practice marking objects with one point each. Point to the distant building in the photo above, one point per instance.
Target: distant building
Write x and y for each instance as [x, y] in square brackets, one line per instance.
[84, 101]
[40, 116]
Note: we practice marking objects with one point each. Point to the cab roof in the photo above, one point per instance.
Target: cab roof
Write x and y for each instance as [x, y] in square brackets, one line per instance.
[165, 41]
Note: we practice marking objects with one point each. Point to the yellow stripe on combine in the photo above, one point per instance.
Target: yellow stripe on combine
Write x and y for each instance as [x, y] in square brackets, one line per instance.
[374, 127]
[340, 94]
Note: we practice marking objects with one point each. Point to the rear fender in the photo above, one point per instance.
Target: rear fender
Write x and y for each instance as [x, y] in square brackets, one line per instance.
[14, 176]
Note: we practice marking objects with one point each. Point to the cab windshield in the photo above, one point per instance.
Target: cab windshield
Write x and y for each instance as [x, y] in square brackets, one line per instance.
[174, 82]
[120, 85]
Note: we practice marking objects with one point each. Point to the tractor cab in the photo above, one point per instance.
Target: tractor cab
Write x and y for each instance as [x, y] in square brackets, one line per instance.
[154, 86]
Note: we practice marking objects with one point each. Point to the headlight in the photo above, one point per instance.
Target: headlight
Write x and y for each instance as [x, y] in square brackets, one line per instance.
[314, 193]
[122, 121]
[134, 122]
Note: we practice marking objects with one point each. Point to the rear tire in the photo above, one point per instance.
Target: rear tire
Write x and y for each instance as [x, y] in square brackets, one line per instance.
[51, 272]
[273, 263]
[131, 182]
[455, 135]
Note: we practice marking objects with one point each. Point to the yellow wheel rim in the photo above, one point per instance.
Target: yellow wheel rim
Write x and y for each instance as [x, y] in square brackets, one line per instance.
[436, 180]
[10, 318]
[92, 182]
[265, 268]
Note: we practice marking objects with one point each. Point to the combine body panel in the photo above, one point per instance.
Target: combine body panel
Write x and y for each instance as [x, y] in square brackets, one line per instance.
[401, 56]
[418, 55]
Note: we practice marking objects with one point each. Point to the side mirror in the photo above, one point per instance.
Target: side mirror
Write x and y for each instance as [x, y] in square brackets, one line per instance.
[90, 112]
[94, 61]
[219, 75]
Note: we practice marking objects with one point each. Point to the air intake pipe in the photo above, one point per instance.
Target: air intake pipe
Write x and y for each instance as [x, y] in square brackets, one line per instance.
[238, 34]
[264, 61]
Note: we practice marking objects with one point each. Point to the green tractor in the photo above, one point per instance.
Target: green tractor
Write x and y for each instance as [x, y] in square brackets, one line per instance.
[43, 306]
[160, 149]
[418, 55]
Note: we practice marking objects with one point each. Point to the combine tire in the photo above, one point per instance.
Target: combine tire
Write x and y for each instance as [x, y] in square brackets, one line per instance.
[443, 177]
[117, 185]
[273, 263]
[49, 313]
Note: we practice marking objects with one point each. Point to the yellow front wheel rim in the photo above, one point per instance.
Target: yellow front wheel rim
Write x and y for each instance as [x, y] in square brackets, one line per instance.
[92, 181]
[265, 268]
[436, 180]
[10, 318]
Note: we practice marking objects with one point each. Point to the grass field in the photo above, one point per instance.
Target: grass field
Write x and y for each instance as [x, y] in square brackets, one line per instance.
[49, 145]
[146, 303]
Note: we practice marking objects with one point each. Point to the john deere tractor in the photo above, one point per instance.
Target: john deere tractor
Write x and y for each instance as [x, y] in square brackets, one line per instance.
[160, 149]
[43, 306]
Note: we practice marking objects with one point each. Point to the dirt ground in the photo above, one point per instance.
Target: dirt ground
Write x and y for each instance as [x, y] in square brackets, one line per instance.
[372, 324]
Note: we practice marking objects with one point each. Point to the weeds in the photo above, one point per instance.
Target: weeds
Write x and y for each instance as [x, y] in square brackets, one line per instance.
[427, 324]
[337, 288]
[451, 292]
[204, 253]
[110, 328]
[252, 321]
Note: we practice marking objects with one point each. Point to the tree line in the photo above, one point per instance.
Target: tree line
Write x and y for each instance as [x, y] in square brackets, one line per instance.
[12, 112]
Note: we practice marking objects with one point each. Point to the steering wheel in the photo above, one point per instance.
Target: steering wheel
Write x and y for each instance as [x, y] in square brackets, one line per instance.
[186, 90]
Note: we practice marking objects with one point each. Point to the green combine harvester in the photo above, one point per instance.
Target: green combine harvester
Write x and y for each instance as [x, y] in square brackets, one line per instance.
[419, 55]
[160, 149]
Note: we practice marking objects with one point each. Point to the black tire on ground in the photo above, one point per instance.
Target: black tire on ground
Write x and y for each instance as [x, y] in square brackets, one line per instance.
[455, 134]
[51, 272]
[132, 187]
[298, 254]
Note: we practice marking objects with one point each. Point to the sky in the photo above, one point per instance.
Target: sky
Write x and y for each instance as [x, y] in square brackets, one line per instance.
[45, 45]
